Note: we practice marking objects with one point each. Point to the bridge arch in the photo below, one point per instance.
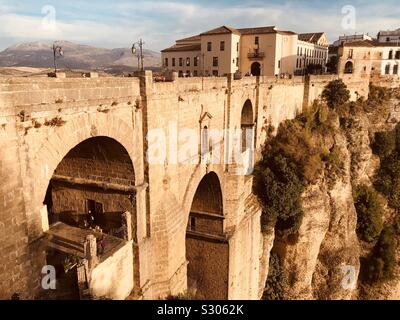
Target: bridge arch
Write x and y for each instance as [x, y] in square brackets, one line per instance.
[207, 250]
[63, 139]
[105, 134]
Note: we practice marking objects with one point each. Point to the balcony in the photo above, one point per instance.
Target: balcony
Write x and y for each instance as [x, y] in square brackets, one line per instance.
[256, 55]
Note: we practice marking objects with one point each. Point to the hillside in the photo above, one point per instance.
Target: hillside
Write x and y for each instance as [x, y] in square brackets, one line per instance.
[76, 56]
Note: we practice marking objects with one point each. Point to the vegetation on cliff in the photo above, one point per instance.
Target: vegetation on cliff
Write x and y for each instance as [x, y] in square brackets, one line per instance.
[336, 93]
[370, 211]
[304, 151]
[276, 278]
[380, 263]
[291, 160]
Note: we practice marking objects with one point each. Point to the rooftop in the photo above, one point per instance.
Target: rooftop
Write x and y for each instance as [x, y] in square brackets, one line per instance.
[311, 37]
[389, 33]
[369, 43]
[183, 48]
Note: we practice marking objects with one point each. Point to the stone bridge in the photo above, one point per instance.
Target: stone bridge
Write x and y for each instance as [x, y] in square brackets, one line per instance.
[112, 145]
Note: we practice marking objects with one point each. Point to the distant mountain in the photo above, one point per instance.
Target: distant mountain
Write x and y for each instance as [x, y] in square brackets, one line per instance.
[76, 56]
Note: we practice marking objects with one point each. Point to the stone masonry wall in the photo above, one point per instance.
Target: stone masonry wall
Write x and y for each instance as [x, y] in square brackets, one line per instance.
[42, 119]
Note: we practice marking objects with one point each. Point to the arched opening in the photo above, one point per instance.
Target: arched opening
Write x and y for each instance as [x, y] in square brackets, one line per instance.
[205, 144]
[206, 245]
[255, 69]
[247, 125]
[348, 68]
[91, 192]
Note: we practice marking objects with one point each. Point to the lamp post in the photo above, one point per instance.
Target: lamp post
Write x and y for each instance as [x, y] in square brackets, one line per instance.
[57, 51]
[139, 44]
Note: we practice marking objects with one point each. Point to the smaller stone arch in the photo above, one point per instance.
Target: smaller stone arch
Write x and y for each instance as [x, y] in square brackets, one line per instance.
[247, 125]
[349, 67]
[207, 249]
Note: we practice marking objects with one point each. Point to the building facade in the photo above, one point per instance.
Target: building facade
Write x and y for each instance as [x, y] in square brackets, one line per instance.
[389, 36]
[350, 38]
[263, 51]
[369, 58]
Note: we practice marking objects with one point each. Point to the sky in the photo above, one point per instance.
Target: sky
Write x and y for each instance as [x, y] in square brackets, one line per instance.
[119, 23]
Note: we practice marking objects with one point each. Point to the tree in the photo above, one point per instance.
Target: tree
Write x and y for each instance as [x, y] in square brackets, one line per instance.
[336, 93]
[332, 64]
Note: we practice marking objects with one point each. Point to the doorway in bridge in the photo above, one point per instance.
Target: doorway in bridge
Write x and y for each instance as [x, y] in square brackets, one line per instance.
[255, 69]
[207, 250]
[91, 190]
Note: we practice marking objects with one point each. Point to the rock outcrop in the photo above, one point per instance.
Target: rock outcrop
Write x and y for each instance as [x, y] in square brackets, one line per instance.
[322, 261]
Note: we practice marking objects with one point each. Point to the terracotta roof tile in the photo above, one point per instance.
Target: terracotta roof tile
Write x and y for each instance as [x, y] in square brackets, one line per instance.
[311, 37]
[192, 38]
[183, 48]
[221, 30]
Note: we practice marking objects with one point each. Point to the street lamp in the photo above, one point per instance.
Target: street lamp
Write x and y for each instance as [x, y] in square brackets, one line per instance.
[139, 44]
[57, 52]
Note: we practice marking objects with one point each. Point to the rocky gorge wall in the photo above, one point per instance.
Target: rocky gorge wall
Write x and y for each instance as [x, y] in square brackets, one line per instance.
[322, 259]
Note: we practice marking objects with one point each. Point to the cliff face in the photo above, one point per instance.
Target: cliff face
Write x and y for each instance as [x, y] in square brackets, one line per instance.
[323, 260]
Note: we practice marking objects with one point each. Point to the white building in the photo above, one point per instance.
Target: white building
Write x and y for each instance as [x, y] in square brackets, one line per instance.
[253, 51]
[354, 37]
[389, 36]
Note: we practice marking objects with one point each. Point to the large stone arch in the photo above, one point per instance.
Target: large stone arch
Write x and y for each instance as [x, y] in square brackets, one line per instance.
[57, 145]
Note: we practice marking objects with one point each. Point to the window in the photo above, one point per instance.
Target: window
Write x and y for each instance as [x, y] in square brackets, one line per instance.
[237, 46]
[387, 39]
[187, 73]
[397, 55]
[180, 62]
[279, 63]
[390, 54]
[209, 47]
[387, 69]
[187, 62]
[257, 40]
[166, 62]
[396, 69]
[351, 53]
[215, 73]
[195, 59]
[173, 62]
[215, 61]
[222, 46]
[195, 73]
[237, 62]
[180, 73]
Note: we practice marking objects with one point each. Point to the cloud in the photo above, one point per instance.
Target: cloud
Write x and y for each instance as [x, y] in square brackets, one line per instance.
[160, 22]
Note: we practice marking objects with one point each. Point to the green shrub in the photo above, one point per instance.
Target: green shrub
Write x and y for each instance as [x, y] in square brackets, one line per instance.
[336, 93]
[290, 161]
[275, 281]
[279, 188]
[377, 96]
[387, 180]
[379, 266]
[384, 144]
[369, 209]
